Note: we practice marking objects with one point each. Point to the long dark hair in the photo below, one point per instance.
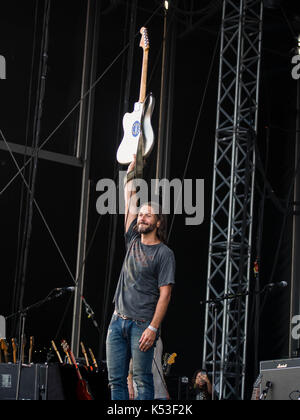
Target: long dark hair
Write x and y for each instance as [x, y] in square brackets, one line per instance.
[161, 231]
[195, 376]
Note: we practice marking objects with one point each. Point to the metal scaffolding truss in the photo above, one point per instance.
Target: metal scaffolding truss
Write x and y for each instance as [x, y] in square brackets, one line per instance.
[232, 196]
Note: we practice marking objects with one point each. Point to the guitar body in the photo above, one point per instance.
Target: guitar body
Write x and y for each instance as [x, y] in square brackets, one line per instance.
[82, 391]
[135, 123]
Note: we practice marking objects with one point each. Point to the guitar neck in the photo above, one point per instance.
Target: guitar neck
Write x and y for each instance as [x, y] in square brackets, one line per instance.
[75, 364]
[143, 87]
[93, 358]
[31, 349]
[85, 354]
[57, 352]
[14, 346]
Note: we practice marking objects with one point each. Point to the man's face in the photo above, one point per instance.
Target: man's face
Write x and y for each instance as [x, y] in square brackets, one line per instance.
[146, 221]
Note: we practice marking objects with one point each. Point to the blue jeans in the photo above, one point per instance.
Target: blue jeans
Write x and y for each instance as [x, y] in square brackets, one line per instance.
[122, 344]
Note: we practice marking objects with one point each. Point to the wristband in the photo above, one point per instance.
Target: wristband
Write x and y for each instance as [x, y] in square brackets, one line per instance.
[152, 328]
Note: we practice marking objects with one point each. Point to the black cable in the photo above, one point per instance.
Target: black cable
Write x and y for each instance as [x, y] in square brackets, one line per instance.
[160, 374]
[33, 171]
[20, 243]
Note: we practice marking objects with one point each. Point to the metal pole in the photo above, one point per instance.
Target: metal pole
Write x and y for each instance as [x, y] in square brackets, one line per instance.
[166, 95]
[84, 148]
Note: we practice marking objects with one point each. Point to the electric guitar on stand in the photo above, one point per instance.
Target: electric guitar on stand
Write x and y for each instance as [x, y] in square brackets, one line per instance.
[83, 393]
[137, 124]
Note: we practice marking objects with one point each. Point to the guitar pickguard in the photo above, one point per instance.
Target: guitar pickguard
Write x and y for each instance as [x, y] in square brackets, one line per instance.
[132, 125]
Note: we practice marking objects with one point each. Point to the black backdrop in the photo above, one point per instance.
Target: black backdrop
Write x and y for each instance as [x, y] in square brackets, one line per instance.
[58, 186]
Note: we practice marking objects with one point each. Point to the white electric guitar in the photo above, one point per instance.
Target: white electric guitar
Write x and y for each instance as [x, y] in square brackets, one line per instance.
[139, 121]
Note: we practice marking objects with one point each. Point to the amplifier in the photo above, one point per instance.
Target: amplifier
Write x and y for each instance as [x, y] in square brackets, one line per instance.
[37, 382]
[28, 384]
[49, 382]
[280, 379]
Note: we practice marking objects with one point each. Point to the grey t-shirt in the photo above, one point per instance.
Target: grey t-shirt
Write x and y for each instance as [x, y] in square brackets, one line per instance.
[145, 269]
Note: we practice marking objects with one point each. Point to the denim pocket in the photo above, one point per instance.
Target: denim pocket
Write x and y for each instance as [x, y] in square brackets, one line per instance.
[114, 318]
[142, 324]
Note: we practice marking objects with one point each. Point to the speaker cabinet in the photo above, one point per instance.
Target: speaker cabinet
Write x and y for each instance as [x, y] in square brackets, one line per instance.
[49, 382]
[28, 383]
[280, 379]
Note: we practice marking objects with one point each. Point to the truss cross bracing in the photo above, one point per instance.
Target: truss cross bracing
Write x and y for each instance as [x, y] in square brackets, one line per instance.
[232, 198]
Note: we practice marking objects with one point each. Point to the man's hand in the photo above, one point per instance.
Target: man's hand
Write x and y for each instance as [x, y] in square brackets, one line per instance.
[147, 339]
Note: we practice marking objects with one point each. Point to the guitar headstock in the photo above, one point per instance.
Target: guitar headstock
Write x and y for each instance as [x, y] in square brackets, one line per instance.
[65, 346]
[3, 345]
[145, 44]
[171, 359]
[13, 343]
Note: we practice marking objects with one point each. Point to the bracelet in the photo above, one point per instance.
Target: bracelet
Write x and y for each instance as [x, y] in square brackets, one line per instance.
[152, 328]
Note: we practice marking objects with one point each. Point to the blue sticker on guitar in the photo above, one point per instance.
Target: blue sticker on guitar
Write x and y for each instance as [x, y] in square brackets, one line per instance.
[136, 128]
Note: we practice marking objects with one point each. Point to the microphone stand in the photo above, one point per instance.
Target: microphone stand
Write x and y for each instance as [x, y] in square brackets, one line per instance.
[23, 314]
[90, 313]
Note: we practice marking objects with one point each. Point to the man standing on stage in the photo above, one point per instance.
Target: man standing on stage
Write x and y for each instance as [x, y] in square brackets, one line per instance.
[141, 299]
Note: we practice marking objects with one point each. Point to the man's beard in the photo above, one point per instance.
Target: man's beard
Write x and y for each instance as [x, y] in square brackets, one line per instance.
[144, 229]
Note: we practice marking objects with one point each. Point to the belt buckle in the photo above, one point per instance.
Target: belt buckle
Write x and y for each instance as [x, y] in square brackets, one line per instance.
[121, 316]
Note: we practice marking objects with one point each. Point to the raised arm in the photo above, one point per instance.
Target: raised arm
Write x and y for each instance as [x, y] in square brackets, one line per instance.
[130, 197]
